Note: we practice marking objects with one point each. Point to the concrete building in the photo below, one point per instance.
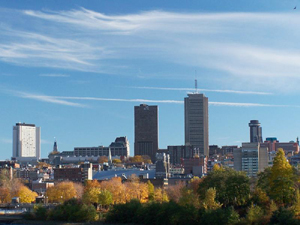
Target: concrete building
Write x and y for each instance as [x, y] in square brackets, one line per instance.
[118, 148]
[196, 122]
[26, 142]
[146, 130]
[162, 165]
[251, 158]
[178, 152]
[255, 131]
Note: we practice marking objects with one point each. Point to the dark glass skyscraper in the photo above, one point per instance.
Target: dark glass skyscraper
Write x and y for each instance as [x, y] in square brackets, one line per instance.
[196, 122]
[146, 130]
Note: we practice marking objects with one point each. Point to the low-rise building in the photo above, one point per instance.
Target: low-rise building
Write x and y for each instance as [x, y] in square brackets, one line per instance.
[75, 174]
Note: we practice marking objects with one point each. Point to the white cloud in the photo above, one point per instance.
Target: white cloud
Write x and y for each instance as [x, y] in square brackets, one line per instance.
[206, 90]
[54, 75]
[6, 140]
[235, 104]
[250, 49]
[45, 98]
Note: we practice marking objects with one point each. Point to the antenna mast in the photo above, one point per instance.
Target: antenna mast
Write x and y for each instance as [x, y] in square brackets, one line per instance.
[196, 86]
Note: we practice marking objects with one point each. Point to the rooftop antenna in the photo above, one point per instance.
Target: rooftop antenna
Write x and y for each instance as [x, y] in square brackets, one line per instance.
[196, 84]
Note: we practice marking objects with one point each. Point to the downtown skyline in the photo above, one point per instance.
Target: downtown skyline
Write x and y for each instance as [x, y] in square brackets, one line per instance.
[77, 69]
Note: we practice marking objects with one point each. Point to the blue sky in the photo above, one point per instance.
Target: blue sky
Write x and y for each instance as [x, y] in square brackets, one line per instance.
[78, 68]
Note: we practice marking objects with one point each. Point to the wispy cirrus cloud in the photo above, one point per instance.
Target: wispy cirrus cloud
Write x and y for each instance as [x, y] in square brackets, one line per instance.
[235, 104]
[206, 90]
[44, 98]
[6, 140]
[238, 49]
[66, 100]
[54, 75]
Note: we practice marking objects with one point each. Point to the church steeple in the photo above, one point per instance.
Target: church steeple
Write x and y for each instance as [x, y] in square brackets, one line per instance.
[55, 149]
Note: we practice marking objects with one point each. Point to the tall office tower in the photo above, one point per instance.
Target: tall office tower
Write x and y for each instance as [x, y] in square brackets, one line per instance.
[146, 130]
[255, 131]
[26, 142]
[196, 122]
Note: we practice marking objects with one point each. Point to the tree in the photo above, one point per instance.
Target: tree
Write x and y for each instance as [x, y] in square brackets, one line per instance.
[188, 198]
[296, 205]
[8, 181]
[150, 191]
[146, 159]
[279, 181]
[61, 192]
[73, 210]
[209, 202]
[160, 195]
[254, 214]
[174, 191]
[91, 195]
[283, 216]
[105, 198]
[5, 196]
[26, 195]
[116, 161]
[282, 179]
[102, 159]
[118, 190]
[79, 190]
[41, 165]
[232, 187]
[136, 158]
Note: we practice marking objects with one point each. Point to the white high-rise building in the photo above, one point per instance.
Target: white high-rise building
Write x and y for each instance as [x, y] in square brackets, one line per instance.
[26, 142]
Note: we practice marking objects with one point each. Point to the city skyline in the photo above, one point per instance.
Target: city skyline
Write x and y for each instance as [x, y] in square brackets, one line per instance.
[77, 69]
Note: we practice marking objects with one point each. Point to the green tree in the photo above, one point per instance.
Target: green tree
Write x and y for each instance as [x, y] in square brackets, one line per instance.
[150, 191]
[254, 214]
[296, 205]
[224, 216]
[209, 201]
[188, 198]
[232, 187]
[105, 198]
[283, 216]
[91, 195]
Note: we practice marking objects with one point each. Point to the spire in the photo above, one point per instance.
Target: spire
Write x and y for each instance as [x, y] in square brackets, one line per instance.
[55, 149]
[196, 86]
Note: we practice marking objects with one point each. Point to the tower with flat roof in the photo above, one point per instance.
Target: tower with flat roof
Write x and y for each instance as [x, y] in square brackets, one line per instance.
[146, 130]
[196, 122]
[26, 142]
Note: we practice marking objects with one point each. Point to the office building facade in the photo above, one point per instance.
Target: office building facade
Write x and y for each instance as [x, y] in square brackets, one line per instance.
[251, 158]
[26, 142]
[146, 130]
[196, 122]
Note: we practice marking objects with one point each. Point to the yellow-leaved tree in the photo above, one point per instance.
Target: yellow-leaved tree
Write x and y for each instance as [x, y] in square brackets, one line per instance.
[26, 195]
[209, 201]
[61, 192]
[91, 195]
[281, 180]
